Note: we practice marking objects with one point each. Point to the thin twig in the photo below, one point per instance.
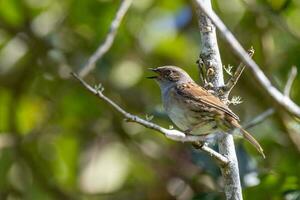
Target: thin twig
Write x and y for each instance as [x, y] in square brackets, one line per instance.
[289, 83]
[260, 118]
[279, 97]
[169, 133]
[238, 72]
[105, 46]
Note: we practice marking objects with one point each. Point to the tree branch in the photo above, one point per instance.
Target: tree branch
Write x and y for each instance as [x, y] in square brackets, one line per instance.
[210, 57]
[169, 133]
[105, 46]
[279, 98]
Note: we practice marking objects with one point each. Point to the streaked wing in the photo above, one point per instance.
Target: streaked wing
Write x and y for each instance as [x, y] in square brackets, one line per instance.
[194, 92]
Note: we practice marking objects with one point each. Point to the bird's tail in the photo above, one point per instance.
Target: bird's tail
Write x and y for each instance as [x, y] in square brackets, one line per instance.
[251, 139]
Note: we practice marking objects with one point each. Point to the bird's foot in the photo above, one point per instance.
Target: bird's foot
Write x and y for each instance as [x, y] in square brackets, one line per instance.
[198, 144]
[188, 131]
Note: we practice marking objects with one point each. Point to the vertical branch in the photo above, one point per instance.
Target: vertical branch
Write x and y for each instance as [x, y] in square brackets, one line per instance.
[284, 101]
[210, 59]
[210, 56]
[230, 173]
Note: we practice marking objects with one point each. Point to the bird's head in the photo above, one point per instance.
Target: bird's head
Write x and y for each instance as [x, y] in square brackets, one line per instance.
[169, 75]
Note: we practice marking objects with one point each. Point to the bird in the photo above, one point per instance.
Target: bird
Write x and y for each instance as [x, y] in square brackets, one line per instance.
[193, 109]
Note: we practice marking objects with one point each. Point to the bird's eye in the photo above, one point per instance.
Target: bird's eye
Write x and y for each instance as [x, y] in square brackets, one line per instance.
[168, 72]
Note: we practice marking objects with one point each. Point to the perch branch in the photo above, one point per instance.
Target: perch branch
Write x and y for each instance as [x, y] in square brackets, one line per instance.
[238, 72]
[169, 133]
[210, 57]
[105, 46]
[279, 97]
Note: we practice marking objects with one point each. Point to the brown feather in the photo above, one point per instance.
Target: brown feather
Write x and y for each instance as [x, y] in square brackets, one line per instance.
[249, 138]
[194, 108]
[197, 93]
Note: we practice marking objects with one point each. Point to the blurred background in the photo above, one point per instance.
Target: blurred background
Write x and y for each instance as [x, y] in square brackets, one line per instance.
[57, 141]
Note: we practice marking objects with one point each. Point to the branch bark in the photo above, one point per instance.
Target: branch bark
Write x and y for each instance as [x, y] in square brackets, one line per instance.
[210, 57]
[284, 101]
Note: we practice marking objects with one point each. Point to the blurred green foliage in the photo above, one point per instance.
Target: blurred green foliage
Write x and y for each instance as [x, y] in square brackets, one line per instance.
[59, 142]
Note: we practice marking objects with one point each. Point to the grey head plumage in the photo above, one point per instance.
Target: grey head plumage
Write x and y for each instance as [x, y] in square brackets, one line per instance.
[169, 76]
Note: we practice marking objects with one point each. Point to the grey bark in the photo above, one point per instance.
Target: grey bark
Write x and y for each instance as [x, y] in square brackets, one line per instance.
[210, 57]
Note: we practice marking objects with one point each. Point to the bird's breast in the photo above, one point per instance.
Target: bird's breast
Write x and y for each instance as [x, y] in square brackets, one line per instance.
[181, 114]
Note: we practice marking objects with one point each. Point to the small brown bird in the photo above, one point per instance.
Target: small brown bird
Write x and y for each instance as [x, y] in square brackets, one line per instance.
[192, 108]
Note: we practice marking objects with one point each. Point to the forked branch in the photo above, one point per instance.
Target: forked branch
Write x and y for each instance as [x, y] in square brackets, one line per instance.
[284, 101]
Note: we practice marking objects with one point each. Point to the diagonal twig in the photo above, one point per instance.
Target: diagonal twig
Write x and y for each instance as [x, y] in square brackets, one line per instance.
[276, 95]
[169, 133]
[238, 72]
[260, 118]
[105, 46]
[289, 83]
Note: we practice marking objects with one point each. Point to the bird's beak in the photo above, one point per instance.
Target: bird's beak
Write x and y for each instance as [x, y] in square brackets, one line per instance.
[154, 70]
